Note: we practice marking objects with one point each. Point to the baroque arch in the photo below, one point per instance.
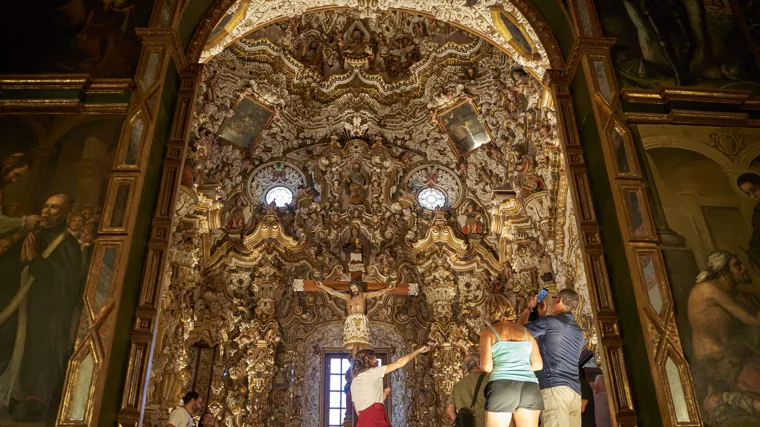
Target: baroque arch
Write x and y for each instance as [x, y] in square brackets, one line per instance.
[229, 20]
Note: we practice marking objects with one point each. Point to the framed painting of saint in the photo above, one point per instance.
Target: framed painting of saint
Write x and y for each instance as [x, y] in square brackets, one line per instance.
[464, 127]
[244, 128]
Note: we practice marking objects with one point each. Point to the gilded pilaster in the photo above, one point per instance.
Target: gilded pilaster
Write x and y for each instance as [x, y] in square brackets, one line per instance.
[259, 338]
[451, 338]
[603, 308]
[156, 260]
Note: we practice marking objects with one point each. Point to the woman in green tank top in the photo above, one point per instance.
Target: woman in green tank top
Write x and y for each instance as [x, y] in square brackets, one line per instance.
[510, 354]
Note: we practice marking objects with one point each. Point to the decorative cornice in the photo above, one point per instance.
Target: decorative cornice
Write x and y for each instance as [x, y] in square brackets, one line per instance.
[82, 82]
[441, 233]
[666, 94]
[59, 106]
[691, 117]
[167, 37]
[555, 77]
[593, 45]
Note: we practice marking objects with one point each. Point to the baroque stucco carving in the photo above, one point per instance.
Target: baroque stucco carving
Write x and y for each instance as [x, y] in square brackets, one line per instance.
[477, 18]
[355, 156]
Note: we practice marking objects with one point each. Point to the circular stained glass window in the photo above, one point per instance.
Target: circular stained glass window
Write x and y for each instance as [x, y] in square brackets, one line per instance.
[431, 198]
[280, 196]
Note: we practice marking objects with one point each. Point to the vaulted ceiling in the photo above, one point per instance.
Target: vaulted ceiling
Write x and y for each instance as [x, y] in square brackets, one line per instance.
[408, 78]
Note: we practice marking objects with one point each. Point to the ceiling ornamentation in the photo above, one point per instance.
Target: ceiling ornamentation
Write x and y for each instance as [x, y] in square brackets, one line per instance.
[438, 177]
[520, 123]
[477, 18]
[274, 174]
[385, 129]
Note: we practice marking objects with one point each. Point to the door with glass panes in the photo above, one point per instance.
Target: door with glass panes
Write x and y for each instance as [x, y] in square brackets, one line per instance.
[334, 403]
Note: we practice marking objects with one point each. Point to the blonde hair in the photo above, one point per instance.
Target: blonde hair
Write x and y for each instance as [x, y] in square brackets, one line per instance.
[498, 308]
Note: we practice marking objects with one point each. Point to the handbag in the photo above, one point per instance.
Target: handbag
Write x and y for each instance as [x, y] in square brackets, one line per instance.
[465, 416]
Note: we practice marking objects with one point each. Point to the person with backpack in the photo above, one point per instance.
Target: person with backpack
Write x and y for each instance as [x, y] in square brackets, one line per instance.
[510, 354]
[467, 401]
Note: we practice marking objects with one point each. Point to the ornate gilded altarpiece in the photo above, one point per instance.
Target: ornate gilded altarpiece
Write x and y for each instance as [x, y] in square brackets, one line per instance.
[354, 140]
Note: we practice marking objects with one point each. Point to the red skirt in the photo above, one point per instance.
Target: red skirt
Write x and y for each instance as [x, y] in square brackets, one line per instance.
[374, 416]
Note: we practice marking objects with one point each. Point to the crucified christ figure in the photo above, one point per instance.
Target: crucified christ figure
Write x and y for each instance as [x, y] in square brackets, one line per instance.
[356, 335]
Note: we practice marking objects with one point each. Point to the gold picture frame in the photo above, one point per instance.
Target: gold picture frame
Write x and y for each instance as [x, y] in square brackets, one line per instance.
[449, 127]
[497, 15]
[228, 122]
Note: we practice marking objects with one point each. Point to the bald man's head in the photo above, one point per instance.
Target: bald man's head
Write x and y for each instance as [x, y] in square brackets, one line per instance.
[55, 210]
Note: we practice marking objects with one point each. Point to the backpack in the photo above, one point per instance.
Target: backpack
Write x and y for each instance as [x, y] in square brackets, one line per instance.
[465, 416]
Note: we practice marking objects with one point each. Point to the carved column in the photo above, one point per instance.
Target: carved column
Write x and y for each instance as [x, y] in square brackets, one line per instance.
[451, 338]
[260, 337]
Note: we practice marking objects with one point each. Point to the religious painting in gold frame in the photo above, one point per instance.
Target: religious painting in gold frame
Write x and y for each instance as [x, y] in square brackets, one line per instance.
[464, 127]
[250, 118]
[513, 32]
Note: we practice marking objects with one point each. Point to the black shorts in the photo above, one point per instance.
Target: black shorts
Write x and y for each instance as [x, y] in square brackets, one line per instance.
[509, 395]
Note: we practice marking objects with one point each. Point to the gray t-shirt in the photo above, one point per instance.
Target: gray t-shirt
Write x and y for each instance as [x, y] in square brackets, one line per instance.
[560, 341]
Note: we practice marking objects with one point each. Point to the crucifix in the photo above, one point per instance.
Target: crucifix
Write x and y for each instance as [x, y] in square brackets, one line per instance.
[356, 334]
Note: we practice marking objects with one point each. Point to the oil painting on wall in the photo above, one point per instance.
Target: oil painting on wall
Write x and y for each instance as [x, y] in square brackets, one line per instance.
[464, 127]
[708, 182]
[247, 122]
[54, 171]
[682, 42]
[74, 36]
[513, 32]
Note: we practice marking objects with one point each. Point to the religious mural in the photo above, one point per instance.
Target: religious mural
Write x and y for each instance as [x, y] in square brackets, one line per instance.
[94, 37]
[513, 32]
[685, 42]
[53, 175]
[708, 181]
[472, 219]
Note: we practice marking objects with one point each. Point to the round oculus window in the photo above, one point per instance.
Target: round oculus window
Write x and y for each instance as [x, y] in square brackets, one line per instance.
[280, 196]
[431, 198]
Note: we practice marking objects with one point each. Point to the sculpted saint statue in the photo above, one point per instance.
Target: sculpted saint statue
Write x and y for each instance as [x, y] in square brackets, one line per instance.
[356, 335]
[356, 185]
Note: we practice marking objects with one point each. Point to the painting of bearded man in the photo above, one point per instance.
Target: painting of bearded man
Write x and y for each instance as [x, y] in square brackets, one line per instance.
[726, 362]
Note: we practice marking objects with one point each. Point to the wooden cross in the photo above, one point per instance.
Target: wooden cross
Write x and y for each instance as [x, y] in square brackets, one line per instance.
[300, 285]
